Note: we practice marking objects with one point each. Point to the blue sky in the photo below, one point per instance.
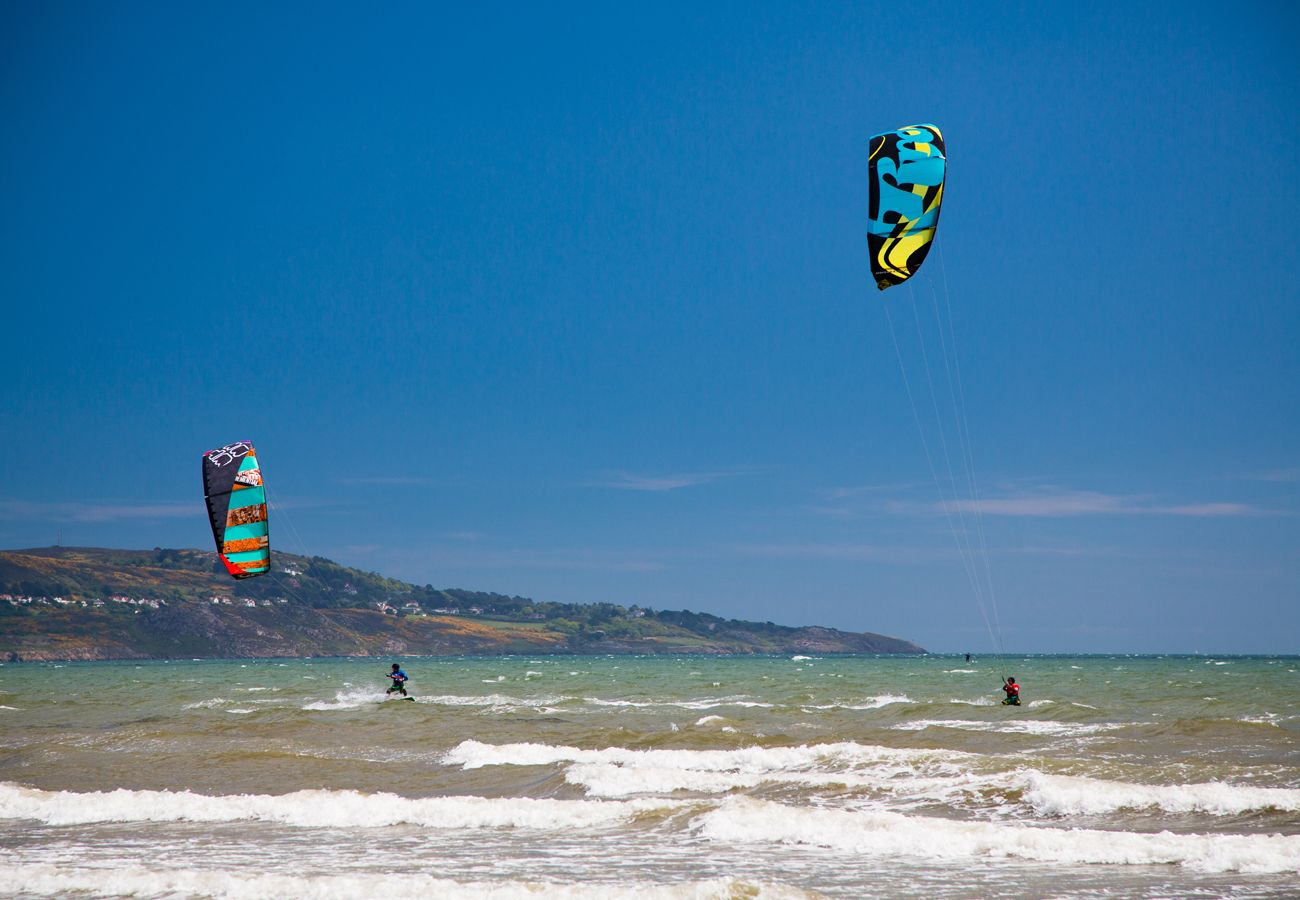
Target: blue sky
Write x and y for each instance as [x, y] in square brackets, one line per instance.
[573, 302]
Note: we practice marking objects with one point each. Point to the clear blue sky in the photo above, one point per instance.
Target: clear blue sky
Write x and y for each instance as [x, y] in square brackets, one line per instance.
[573, 302]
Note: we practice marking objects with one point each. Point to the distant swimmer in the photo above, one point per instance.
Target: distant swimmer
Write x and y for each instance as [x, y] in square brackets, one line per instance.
[967, 657]
[1013, 691]
[399, 681]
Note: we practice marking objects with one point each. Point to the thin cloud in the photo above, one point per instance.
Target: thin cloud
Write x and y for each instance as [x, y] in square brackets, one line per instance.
[1276, 476]
[628, 481]
[832, 512]
[465, 557]
[1066, 551]
[361, 549]
[96, 512]
[388, 481]
[278, 503]
[867, 490]
[839, 551]
[1064, 504]
[1209, 510]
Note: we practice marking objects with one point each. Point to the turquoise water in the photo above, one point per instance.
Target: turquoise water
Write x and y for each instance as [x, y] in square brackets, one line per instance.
[664, 776]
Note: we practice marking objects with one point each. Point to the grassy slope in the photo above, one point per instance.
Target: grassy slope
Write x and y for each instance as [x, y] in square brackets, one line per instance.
[319, 608]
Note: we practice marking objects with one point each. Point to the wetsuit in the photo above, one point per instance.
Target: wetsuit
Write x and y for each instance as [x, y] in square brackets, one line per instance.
[399, 682]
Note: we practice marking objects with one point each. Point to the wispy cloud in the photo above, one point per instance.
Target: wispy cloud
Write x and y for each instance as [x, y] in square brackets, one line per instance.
[868, 490]
[389, 481]
[1026, 501]
[839, 551]
[1060, 504]
[832, 512]
[1071, 551]
[1276, 475]
[408, 560]
[1209, 510]
[360, 549]
[96, 512]
[629, 481]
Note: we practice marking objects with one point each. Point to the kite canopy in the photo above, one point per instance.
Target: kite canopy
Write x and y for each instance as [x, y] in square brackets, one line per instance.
[906, 172]
[236, 498]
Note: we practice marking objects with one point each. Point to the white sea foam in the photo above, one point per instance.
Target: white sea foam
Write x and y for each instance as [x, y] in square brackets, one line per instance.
[316, 809]
[1070, 795]
[499, 702]
[207, 704]
[909, 777]
[881, 700]
[875, 702]
[797, 658]
[1018, 726]
[474, 755]
[230, 884]
[960, 671]
[705, 720]
[888, 834]
[348, 699]
[978, 701]
[608, 780]
[703, 703]
[1267, 718]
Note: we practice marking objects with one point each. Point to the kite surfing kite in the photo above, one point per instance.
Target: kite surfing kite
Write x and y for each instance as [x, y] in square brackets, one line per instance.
[906, 172]
[236, 498]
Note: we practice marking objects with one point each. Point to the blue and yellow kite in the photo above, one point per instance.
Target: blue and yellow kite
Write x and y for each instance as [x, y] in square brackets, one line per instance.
[907, 168]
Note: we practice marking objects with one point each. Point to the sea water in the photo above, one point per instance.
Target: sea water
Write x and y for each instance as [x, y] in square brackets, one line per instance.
[649, 777]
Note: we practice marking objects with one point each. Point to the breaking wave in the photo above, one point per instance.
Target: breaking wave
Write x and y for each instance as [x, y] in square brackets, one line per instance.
[746, 820]
[133, 881]
[316, 809]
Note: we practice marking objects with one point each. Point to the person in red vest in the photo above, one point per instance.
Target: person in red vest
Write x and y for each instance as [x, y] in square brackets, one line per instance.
[1013, 691]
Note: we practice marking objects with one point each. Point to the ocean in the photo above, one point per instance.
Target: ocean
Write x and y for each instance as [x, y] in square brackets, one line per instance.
[652, 777]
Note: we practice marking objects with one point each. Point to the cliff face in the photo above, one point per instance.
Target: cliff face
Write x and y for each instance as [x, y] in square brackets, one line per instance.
[89, 603]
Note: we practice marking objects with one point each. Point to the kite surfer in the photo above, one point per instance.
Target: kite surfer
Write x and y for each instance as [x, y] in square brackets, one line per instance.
[1013, 691]
[399, 680]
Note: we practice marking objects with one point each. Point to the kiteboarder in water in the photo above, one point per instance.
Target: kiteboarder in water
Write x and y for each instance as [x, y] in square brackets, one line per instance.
[1013, 691]
[399, 680]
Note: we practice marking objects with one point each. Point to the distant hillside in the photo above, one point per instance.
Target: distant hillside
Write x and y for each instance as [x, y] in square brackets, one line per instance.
[91, 603]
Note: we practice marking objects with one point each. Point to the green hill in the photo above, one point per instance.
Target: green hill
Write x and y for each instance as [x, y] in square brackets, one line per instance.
[93, 603]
